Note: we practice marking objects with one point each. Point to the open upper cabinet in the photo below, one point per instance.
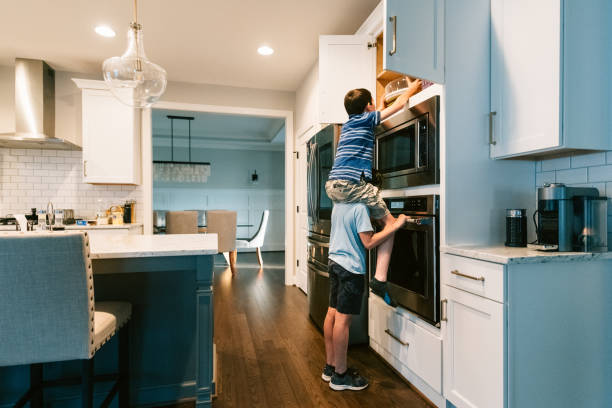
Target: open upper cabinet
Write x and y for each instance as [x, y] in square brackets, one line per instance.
[406, 38]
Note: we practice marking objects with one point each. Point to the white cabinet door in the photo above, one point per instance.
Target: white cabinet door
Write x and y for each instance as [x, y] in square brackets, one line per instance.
[111, 139]
[414, 38]
[473, 338]
[525, 76]
[345, 63]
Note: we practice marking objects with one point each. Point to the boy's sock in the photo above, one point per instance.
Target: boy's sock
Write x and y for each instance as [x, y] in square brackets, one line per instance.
[380, 289]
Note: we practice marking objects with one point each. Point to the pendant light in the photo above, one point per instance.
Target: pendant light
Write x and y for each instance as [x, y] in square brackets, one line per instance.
[132, 78]
[180, 171]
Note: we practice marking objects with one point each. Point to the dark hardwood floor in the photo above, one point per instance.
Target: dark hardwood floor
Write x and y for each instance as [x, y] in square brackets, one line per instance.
[271, 355]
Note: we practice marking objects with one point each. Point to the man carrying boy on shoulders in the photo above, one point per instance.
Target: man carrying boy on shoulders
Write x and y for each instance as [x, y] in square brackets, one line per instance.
[351, 235]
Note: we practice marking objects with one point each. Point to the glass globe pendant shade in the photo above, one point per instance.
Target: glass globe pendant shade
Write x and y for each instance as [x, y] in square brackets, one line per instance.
[132, 78]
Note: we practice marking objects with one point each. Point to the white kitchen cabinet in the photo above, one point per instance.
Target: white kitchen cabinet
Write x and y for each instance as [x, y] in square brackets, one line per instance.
[401, 339]
[542, 346]
[550, 68]
[411, 42]
[111, 137]
[345, 62]
[473, 337]
[414, 38]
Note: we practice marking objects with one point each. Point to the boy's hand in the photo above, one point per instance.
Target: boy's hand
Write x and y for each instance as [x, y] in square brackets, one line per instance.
[414, 87]
[400, 221]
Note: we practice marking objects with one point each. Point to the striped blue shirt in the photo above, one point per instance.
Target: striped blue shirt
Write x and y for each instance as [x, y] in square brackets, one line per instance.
[355, 148]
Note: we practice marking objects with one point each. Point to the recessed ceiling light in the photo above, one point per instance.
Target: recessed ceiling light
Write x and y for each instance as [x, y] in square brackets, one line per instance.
[105, 31]
[265, 50]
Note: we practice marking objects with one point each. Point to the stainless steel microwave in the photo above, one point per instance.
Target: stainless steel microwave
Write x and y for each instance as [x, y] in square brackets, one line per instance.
[407, 146]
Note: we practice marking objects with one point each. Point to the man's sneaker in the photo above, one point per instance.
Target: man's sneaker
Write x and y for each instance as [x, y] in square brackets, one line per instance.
[328, 371]
[351, 380]
[380, 289]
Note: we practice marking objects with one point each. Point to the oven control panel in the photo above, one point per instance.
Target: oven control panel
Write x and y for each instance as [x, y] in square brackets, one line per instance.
[414, 205]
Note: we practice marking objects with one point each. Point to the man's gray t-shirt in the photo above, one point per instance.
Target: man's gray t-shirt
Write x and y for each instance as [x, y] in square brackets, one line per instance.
[345, 247]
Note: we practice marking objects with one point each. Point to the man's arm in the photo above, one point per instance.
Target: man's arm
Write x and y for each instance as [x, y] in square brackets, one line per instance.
[371, 240]
[413, 88]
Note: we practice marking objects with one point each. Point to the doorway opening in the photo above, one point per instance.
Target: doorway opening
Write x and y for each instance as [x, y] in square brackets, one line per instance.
[249, 157]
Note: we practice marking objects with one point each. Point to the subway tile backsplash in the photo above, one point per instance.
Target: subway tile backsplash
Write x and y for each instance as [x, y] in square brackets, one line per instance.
[580, 170]
[32, 177]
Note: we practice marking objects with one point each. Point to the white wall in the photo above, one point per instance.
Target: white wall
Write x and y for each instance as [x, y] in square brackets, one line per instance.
[307, 102]
[228, 96]
[229, 187]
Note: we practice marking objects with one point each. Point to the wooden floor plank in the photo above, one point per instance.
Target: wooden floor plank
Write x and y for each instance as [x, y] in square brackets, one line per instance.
[271, 355]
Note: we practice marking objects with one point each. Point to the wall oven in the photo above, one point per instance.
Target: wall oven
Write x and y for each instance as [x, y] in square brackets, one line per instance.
[414, 270]
[407, 146]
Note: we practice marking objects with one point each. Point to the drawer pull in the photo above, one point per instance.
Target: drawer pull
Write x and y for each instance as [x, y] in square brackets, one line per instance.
[443, 303]
[394, 337]
[456, 272]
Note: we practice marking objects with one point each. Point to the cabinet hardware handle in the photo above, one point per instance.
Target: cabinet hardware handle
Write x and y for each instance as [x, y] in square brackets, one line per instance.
[394, 21]
[443, 303]
[85, 168]
[456, 272]
[394, 337]
[491, 140]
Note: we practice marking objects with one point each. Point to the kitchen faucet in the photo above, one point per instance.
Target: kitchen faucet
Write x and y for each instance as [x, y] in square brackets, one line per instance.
[50, 215]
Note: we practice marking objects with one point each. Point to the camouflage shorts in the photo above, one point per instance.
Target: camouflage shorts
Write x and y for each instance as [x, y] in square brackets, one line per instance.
[343, 191]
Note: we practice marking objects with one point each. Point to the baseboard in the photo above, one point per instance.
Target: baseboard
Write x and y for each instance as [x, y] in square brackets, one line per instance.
[142, 397]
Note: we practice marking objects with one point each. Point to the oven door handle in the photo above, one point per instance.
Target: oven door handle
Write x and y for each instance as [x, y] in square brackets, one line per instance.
[319, 243]
[419, 221]
[318, 270]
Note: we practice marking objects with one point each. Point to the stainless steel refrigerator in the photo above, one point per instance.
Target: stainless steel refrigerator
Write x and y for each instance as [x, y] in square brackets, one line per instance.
[321, 151]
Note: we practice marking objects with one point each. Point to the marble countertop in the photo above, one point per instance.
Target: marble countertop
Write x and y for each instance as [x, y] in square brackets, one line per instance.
[507, 255]
[141, 246]
[103, 227]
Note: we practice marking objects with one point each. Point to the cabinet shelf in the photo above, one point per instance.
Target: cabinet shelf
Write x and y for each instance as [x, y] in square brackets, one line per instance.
[388, 76]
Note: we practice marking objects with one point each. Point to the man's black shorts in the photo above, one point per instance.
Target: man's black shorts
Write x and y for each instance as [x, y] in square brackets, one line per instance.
[345, 289]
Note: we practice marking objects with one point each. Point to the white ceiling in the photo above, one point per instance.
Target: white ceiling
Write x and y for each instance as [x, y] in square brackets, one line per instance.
[198, 41]
[216, 129]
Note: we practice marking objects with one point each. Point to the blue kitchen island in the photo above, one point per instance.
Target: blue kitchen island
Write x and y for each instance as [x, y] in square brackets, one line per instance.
[168, 279]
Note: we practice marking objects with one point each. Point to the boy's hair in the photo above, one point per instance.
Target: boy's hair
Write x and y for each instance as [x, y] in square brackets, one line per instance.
[356, 101]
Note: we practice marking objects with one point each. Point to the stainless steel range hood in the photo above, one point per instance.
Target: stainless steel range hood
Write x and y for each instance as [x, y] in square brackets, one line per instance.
[34, 108]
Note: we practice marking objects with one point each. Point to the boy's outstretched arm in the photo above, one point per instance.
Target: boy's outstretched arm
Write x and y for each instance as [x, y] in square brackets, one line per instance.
[413, 88]
[371, 240]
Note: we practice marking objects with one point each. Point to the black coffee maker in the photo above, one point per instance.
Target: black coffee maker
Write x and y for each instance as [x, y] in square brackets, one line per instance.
[571, 219]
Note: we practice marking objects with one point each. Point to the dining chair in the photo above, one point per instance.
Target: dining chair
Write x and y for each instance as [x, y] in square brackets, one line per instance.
[258, 239]
[223, 223]
[182, 222]
[48, 313]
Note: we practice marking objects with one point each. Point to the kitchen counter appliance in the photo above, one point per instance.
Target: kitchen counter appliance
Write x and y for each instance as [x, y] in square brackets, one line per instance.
[414, 270]
[571, 218]
[407, 146]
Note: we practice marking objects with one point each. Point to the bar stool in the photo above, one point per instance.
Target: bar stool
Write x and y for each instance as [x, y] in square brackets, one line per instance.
[48, 313]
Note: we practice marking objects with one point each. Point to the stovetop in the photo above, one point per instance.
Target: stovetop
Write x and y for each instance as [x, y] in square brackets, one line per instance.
[8, 220]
